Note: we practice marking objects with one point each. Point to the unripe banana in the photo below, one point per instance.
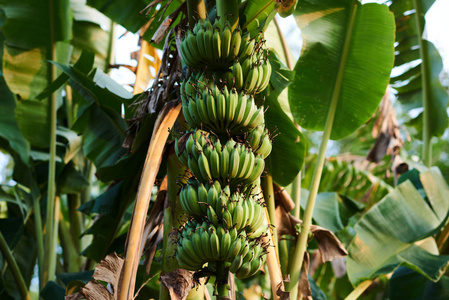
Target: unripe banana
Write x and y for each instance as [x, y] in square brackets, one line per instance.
[216, 42]
[235, 43]
[215, 244]
[226, 37]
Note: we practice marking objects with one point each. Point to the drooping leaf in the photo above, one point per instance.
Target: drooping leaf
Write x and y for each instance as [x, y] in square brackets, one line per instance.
[406, 284]
[387, 236]
[99, 120]
[52, 290]
[347, 54]
[409, 56]
[125, 13]
[71, 181]
[91, 37]
[289, 145]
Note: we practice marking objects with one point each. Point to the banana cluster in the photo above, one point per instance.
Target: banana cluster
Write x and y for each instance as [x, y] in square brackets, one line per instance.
[203, 242]
[233, 163]
[219, 110]
[215, 45]
[238, 210]
[225, 149]
[251, 76]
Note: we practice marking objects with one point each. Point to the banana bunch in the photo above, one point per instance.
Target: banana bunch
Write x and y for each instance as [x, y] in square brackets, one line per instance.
[260, 141]
[202, 242]
[225, 149]
[251, 76]
[238, 210]
[232, 163]
[219, 110]
[215, 46]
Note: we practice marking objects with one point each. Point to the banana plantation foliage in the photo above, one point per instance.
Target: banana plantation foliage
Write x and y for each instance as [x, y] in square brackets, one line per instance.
[230, 168]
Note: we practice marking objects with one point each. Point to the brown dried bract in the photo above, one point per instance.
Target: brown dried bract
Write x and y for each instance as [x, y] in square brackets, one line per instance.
[107, 270]
[179, 283]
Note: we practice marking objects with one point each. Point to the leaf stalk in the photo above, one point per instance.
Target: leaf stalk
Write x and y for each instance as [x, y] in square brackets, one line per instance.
[301, 245]
[425, 79]
[20, 282]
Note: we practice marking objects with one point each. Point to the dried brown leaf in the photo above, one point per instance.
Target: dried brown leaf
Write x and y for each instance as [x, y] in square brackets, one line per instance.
[285, 222]
[179, 283]
[281, 197]
[283, 295]
[165, 26]
[75, 296]
[107, 270]
[386, 130]
[304, 284]
[94, 290]
[329, 245]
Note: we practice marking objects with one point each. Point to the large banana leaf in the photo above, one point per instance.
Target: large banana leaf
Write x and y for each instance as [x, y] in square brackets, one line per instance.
[289, 145]
[408, 82]
[348, 54]
[132, 14]
[99, 118]
[30, 34]
[387, 236]
[9, 130]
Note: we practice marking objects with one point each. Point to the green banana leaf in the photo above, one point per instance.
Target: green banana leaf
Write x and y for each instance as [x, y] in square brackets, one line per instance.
[99, 118]
[132, 16]
[347, 53]
[289, 145]
[29, 36]
[27, 32]
[406, 284]
[257, 15]
[125, 13]
[9, 130]
[408, 82]
[394, 231]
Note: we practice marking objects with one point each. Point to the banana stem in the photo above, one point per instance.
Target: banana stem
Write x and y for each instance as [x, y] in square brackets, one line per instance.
[228, 10]
[221, 282]
[426, 85]
[39, 240]
[196, 10]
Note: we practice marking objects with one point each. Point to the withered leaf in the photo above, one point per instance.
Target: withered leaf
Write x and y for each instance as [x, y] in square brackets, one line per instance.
[163, 29]
[283, 295]
[304, 284]
[107, 270]
[329, 245]
[281, 197]
[179, 283]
